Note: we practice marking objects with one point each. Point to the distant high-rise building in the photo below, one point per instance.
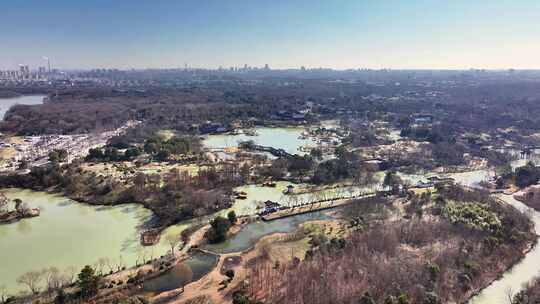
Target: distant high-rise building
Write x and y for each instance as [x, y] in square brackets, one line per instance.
[48, 63]
[24, 71]
[266, 67]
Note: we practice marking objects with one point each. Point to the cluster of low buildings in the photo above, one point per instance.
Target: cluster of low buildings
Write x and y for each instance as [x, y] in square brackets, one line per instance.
[35, 149]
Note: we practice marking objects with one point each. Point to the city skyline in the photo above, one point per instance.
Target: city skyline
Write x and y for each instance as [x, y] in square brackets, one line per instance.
[210, 34]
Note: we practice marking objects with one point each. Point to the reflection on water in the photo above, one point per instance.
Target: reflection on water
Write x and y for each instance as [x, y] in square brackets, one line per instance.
[251, 233]
[192, 269]
[24, 227]
[521, 273]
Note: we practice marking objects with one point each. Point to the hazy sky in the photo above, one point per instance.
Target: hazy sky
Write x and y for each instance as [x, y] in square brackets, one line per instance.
[290, 33]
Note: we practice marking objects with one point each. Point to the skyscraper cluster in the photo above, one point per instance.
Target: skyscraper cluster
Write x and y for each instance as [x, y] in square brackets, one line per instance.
[24, 73]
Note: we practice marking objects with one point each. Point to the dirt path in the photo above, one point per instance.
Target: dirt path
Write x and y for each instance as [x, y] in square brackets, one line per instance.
[209, 285]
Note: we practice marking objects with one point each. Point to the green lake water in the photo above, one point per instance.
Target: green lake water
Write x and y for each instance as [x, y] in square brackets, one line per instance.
[67, 234]
[249, 235]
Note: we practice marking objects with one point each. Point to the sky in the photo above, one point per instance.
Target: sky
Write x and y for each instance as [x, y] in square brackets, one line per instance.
[340, 34]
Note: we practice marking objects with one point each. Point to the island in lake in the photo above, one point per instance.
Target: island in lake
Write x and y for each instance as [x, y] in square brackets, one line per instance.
[20, 211]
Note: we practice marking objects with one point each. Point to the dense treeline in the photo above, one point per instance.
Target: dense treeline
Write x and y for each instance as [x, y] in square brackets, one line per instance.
[522, 177]
[456, 109]
[173, 197]
[52, 118]
[78, 111]
[346, 166]
[161, 149]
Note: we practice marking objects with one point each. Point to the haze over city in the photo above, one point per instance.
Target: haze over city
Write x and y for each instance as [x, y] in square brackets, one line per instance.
[284, 34]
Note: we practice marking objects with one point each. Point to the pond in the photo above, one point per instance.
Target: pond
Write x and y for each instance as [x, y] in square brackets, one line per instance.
[6, 103]
[468, 178]
[190, 270]
[472, 178]
[70, 234]
[253, 232]
[287, 139]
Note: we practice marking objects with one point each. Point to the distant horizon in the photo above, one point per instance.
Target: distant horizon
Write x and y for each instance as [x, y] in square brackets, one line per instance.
[348, 34]
[261, 68]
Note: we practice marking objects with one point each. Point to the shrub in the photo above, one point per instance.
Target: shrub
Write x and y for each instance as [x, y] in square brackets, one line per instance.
[230, 274]
[232, 217]
[472, 215]
[218, 230]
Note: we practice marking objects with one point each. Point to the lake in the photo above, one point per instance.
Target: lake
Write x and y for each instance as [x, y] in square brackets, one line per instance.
[250, 234]
[6, 103]
[280, 138]
[185, 272]
[67, 234]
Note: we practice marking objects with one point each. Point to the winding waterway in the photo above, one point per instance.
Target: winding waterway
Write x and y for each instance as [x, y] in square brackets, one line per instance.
[190, 270]
[521, 273]
[253, 232]
[70, 234]
[6, 103]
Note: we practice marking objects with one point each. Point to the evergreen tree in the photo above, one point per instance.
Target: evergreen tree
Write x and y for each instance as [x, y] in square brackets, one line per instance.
[88, 282]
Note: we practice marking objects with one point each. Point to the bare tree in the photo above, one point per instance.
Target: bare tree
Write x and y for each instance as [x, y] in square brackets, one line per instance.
[110, 265]
[53, 278]
[32, 280]
[146, 253]
[509, 294]
[140, 256]
[286, 200]
[69, 274]
[3, 203]
[120, 264]
[3, 294]
[293, 198]
[100, 264]
[173, 241]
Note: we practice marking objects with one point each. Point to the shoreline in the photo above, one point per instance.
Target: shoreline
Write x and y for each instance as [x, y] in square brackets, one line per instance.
[530, 246]
[160, 225]
[13, 216]
[499, 276]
